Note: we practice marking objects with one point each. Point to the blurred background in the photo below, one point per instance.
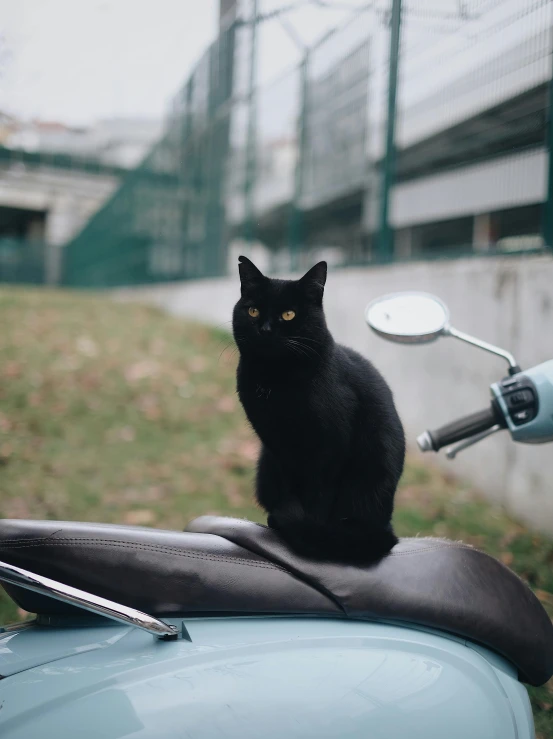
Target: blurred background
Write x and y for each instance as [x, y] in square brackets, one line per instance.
[141, 143]
[145, 145]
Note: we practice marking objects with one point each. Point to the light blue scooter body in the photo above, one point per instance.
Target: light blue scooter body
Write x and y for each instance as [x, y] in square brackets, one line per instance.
[540, 429]
[253, 677]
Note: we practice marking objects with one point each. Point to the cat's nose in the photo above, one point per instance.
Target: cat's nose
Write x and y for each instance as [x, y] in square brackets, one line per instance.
[266, 328]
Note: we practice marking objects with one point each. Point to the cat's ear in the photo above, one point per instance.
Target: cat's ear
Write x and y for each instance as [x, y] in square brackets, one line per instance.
[250, 276]
[314, 281]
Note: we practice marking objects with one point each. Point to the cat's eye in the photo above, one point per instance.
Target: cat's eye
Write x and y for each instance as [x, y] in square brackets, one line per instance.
[288, 315]
[253, 312]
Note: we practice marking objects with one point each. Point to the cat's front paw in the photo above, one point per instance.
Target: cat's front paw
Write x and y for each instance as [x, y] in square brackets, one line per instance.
[273, 521]
[286, 516]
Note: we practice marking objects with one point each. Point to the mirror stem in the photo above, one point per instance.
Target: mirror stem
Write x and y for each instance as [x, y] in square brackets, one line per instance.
[513, 366]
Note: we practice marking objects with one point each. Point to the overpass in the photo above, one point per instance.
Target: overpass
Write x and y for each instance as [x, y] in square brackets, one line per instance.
[45, 199]
[471, 159]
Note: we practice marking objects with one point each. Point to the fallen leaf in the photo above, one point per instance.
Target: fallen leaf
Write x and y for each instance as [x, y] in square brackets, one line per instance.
[67, 363]
[91, 382]
[141, 370]
[16, 508]
[86, 346]
[141, 517]
[33, 400]
[179, 377]
[197, 364]
[6, 452]
[226, 445]
[409, 493]
[209, 390]
[249, 450]
[508, 539]
[155, 492]
[544, 596]
[234, 496]
[126, 433]
[149, 405]
[226, 404]
[12, 370]
[157, 346]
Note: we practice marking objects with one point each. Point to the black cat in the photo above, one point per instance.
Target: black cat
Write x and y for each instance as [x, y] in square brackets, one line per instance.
[333, 446]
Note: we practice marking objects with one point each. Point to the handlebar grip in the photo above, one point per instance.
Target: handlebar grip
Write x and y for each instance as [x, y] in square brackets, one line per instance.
[465, 427]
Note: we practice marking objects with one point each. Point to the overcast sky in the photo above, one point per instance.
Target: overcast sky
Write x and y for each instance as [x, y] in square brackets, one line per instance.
[81, 60]
[78, 61]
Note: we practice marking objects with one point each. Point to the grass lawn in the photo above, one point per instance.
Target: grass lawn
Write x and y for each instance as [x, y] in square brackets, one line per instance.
[118, 413]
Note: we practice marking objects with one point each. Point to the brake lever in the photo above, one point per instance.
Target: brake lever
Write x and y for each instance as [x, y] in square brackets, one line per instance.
[453, 451]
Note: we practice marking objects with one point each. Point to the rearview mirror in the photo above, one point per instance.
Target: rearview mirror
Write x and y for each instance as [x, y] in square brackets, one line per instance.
[408, 318]
[419, 318]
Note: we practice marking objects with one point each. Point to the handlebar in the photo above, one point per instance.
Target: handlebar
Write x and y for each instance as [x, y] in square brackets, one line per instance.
[463, 428]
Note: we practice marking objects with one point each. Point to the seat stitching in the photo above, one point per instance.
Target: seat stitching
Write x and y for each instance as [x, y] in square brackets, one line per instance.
[169, 550]
[21, 543]
[144, 547]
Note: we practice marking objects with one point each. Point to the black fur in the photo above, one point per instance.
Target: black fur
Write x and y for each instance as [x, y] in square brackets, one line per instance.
[333, 446]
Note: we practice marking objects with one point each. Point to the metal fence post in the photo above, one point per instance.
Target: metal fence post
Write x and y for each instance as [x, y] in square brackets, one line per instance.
[547, 224]
[251, 142]
[385, 243]
[295, 233]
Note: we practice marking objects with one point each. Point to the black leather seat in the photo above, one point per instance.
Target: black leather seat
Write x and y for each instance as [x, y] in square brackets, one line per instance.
[225, 565]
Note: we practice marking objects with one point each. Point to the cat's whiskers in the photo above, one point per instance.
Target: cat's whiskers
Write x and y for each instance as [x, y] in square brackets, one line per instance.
[232, 343]
[228, 346]
[299, 349]
[306, 338]
[303, 348]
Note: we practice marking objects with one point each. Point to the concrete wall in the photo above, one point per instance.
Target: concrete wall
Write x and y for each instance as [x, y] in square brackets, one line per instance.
[506, 182]
[507, 301]
[68, 197]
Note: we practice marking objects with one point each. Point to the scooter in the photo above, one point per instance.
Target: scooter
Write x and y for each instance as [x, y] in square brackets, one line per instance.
[222, 631]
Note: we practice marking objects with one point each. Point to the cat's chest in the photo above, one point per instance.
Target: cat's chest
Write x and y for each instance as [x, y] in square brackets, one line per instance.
[271, 399]
[269, 402]
[298, 408]
[302, 401]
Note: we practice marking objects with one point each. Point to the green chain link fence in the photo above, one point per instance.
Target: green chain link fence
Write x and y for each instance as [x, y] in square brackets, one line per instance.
[22, 261]
[307, 165]
[167, 221]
